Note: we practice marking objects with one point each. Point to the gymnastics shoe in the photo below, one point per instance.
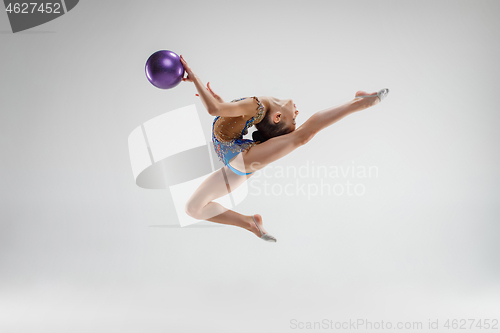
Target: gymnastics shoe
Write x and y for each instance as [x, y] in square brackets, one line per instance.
[266, 237]
[381, 94]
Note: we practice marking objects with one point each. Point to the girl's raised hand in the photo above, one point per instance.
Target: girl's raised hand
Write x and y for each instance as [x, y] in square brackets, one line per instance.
[191, 76]
[189, 71]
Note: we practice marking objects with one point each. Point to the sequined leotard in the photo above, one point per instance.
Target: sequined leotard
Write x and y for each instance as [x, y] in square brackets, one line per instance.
[227, 134]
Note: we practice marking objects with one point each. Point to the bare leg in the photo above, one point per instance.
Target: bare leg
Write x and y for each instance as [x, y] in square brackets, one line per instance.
[243, 221]
[201, 206]
[275, 148]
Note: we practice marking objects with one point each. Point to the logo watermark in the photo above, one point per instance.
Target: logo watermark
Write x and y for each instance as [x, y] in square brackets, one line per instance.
[449, 324]
[311, 180]
[24, 15]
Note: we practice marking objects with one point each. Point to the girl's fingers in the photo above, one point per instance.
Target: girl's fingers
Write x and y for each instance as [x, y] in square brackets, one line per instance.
[184, 64]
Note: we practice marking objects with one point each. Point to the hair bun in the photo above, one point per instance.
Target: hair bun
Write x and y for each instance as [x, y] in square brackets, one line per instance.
[257, 136]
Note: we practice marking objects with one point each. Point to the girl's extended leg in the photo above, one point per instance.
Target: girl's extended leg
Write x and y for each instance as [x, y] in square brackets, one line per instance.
[275, 148]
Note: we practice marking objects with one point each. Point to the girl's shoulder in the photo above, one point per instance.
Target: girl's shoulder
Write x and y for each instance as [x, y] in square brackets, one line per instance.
[262, 107]
[264, 101]
[262, 104]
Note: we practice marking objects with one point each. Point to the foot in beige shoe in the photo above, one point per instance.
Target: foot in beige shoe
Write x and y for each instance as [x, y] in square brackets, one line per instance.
[381, 94]
[260, 231]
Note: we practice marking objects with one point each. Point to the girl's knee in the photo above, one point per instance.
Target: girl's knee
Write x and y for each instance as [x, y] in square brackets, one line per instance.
[192, 209]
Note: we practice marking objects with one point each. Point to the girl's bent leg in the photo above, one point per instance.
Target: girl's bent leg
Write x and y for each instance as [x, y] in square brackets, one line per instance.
[201, 206]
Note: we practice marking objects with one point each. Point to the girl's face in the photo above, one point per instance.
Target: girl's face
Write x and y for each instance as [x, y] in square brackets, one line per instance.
[288, 112]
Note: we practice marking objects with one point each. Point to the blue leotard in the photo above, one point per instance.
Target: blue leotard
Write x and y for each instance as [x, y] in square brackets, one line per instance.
[227, 135]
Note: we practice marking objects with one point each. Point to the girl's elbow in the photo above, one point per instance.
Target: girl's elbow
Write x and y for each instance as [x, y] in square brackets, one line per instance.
[213, 111]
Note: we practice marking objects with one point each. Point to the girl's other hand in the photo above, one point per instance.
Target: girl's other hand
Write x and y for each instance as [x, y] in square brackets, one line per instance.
[190, 75]
[217, 97]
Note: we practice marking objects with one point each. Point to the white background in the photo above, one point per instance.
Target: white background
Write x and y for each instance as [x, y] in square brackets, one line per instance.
[82, 248]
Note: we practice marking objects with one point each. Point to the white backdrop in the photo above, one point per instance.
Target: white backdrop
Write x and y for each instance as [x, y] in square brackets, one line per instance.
[83, 248]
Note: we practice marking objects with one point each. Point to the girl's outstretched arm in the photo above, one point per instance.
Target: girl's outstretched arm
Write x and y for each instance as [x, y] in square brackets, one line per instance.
[209, 101]
[216, 106]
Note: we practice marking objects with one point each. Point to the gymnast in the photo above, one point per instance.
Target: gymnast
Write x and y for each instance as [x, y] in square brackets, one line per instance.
[276, 136]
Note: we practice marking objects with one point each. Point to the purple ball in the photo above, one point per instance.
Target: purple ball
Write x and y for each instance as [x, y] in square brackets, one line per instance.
[164, 69]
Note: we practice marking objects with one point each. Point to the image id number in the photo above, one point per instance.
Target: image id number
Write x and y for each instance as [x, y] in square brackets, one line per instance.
[32, 7]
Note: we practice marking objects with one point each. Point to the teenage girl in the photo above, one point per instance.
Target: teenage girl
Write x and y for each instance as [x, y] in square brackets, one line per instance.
[276, 136]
